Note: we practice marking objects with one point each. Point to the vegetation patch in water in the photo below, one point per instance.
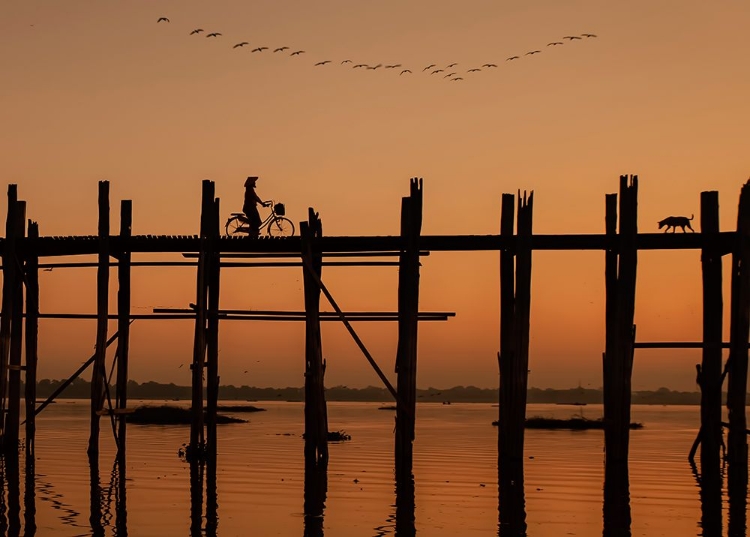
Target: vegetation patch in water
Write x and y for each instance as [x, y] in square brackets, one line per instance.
[170, 415]
[576, 423]
[241, 408]
[336, 436]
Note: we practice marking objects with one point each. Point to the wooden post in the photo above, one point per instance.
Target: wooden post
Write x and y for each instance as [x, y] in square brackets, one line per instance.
[123, 320]
[506, 356]
[9, 275]
[316, 413]
[408, 308]
[610, 282]
[618, 357]
[738, 358]
[32, 332]
[212, 334]
[709, 377]
[13, 419]
[102, 307]
[199, 345]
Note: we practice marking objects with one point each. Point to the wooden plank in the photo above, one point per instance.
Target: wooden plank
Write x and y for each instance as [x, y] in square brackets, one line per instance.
[32, 334]
[102, 305]
[123, 322]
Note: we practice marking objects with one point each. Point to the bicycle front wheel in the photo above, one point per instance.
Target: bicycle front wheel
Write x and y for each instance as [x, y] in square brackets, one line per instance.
[234, 226]
[280, 227]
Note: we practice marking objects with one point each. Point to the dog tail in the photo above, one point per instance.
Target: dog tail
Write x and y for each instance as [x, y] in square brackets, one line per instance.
[691, 217]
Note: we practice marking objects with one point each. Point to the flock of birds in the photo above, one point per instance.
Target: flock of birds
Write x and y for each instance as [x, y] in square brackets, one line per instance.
[451, 71]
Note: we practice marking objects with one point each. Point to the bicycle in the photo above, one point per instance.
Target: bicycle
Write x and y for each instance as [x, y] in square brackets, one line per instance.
[276, 224]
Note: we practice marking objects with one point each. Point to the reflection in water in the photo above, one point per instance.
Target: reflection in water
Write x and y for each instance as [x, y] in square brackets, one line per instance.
[405, 505]
[196, 497]
[737, 488]
[616, 499]
[29, 498]
[120, 491]
[203, 471]
[95, 497]
[511, 505]
[14, 495]
[709, 484]
[212, 500]
[316, 489]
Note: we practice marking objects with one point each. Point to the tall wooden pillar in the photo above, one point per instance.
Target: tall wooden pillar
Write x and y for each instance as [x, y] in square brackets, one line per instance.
[212, 334]
[123, 319]
[515, 310]
[9, 275]
[316, 413]
[32, 331]
[13, 419]
[408, 308]
[738, 358]
[618, 356]
[102, 321]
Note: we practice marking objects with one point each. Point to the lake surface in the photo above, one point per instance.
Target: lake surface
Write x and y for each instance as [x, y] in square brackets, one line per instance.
[260, 476]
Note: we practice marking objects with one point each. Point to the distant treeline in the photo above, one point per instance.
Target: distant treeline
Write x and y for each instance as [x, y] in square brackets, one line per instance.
[81, 389]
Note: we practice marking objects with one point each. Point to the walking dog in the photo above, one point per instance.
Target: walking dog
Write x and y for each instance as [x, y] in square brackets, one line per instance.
[675, 221]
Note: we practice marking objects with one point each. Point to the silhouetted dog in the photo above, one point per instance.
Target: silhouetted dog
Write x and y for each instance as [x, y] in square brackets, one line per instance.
[675, 221]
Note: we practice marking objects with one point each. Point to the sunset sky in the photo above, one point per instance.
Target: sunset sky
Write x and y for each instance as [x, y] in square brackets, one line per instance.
[97, 90]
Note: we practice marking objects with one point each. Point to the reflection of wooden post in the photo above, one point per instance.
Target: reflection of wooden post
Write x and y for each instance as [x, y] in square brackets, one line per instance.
[32, 331]
[13, 420]
[408, 307]
[123, 318]
[618, 357]
[199, 343]
[316, 414]
[710, 374]
[738, 357]
[212, 334]
[102, 306]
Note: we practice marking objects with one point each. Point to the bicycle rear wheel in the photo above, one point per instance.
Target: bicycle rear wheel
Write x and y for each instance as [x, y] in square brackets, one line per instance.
[280, 227]
[234, 226]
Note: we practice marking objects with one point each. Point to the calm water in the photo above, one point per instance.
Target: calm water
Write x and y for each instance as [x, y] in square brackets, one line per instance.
[260, 476]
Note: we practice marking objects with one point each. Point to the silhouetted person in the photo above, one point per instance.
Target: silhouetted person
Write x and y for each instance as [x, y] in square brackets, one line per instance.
[250, 207]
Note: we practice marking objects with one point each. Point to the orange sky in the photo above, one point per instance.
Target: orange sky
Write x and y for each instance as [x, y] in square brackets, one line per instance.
[94, 90]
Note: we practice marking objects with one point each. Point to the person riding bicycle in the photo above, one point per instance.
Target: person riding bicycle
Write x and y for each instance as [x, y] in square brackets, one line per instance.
[250, 207]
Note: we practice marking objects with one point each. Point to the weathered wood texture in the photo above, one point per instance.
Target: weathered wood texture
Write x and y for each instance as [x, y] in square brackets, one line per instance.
[738, 358]
[709, 378]
[123, 322]
[408, 310]
[98, 374]
[316, 413]
[32, 333]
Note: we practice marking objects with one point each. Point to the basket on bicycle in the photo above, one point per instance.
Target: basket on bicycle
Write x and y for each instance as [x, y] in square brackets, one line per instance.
[279, 209]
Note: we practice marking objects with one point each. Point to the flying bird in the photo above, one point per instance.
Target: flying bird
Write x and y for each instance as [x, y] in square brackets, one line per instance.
[455, 79]
[473, 70]
[394, 66]
[280, 49]
[451, 65]
[532, 52]
[238, 45]
[160, 19]
[436, 71]
[323, 62]
[429, 67]
[297, 52]
[404, 71]
[346, 61]
[259, 49]
[359, 65]
[196, 31]
[511, 58]
[214, 34]
[588, 35]
[571, 37]
[555, 43]
[375, 66]
[449, 75]
[489, 65]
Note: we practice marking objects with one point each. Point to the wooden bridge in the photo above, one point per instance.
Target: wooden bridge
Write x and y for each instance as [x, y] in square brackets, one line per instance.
[210, 252]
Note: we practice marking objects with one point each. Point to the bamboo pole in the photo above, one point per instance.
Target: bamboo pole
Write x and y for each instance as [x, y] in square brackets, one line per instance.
[738, 358]
[32, 333]
[13, 419]
[212, 334]
[709, 376]
[408, 307]
[316, 413]
[123, 322]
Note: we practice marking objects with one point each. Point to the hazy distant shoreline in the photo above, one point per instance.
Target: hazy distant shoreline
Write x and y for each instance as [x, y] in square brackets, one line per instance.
[81, 389]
